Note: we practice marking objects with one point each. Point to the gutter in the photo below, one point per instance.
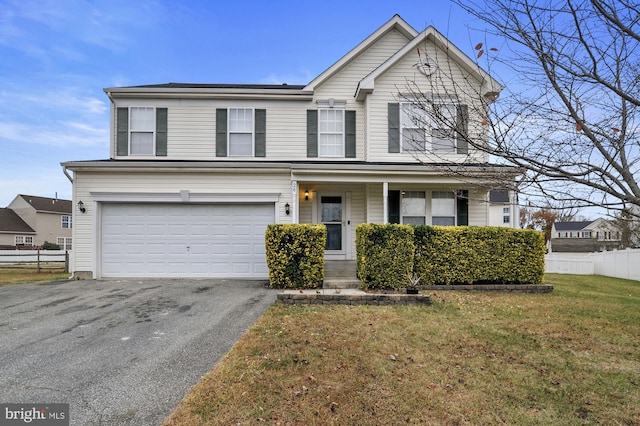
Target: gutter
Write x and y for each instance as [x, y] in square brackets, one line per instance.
[66, 173]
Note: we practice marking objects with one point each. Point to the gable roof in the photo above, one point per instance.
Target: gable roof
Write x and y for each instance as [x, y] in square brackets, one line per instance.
[572, 226]
[11, 223]
[48, 205]
[395, 23]
[490, 87]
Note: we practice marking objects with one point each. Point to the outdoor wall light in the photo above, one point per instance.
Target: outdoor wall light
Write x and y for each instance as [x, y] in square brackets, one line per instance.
[81, 207]
[306, 195]
[287, 209]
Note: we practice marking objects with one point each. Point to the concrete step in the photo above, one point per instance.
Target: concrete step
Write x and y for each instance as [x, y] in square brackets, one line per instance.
[340, 269]
[343, 283]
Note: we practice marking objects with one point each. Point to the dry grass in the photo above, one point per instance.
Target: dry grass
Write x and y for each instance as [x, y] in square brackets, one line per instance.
[566, 358]
[29, 274]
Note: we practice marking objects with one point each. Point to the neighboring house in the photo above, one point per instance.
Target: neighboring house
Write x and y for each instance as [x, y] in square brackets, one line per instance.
[585, 237]
[29, 221]
[197, 171]
[503, 208]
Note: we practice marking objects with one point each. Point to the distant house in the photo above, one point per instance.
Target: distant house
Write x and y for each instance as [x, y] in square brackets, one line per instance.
[585, 236]
[29, 221]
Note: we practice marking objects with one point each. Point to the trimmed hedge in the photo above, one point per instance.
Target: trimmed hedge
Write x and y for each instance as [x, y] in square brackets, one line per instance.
[478, 255]
[385, 255]
[295, 255]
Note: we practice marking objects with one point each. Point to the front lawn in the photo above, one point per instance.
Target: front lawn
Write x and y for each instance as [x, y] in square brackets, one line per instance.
[565, 358]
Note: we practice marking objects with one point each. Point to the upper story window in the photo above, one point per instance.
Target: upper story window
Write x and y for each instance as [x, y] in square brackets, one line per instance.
[331, 132]
[241, 132]
[141, 131]
[142, 126]
[439, 128]
[67, 222]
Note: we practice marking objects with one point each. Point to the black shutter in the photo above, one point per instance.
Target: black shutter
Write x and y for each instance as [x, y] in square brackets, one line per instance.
[393, 201]
[221, 132]
[394, 127]
[161, 132]
[312, 133]
[350, 134]
[122, 132]
[261, 133]
[462, 129]
[462, 207]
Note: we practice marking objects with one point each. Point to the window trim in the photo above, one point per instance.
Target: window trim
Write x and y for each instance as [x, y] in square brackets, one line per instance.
[253, 132]
[429, 121]
[66, 242]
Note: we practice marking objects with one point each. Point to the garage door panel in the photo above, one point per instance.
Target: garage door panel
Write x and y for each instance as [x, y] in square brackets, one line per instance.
[155, 240]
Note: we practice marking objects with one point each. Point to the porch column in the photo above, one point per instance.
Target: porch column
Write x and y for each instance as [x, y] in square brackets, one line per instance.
[294, 201]
[385, 202]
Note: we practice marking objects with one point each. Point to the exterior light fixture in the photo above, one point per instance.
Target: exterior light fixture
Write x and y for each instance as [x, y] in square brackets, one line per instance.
[287, 209]
[81, 207]
[306, 195]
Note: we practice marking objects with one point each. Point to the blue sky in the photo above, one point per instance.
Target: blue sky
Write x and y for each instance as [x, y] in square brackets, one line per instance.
[58, 55]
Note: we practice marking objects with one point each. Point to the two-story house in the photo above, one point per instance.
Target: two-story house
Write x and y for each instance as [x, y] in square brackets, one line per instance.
[30, 221]
[197, 171]
[585, 236]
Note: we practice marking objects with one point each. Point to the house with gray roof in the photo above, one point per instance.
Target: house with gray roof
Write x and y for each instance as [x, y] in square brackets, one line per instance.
[29, 221]
[585, 236]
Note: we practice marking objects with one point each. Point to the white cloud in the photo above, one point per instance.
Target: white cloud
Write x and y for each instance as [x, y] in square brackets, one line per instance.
[54, 134]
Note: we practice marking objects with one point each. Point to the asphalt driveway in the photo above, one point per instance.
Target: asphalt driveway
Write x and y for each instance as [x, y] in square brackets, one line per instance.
[119, 352]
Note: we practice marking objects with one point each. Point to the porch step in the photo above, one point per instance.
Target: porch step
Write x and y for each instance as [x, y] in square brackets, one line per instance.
[341, 283]
[340, 269]
[341, 274]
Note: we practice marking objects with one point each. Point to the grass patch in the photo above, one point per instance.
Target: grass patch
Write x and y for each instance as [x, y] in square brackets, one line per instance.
[566, 358]
[29, 274]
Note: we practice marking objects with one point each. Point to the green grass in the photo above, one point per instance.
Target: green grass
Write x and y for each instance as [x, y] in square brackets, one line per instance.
[29, 274]
[571, 357]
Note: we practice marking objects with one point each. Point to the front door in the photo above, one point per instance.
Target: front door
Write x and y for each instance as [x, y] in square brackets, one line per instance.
[332, 216]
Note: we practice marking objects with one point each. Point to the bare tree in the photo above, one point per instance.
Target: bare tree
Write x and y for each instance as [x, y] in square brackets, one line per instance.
[570, 118]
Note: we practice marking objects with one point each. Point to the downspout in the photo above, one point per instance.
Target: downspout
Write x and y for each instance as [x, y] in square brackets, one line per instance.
[66, 173]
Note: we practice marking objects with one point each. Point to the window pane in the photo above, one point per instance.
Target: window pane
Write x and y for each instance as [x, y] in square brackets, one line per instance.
[331, 209]
[443, 141]
[413, 139]
[443, 208]
[443, 221]
[334, 237]
[331, 145]
[413, 220]
[240, 144]
[241, 120]
[141, 143]
[142, 119]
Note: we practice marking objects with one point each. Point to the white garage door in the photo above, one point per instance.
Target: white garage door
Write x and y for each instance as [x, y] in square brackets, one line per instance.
[185, 240]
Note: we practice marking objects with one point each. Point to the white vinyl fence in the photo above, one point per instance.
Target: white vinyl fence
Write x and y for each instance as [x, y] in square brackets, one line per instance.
[617, 263]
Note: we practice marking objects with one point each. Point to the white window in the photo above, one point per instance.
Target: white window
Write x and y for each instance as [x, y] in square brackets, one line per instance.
[64, 243]
[423, 130]
[240, 132]
[506, 217]
[414, 207]
[586, 234]
[24, 240]
[443, 131]
[413, 124]
[142, 124]
[67, 222]
[331, 132]
[443, 208]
